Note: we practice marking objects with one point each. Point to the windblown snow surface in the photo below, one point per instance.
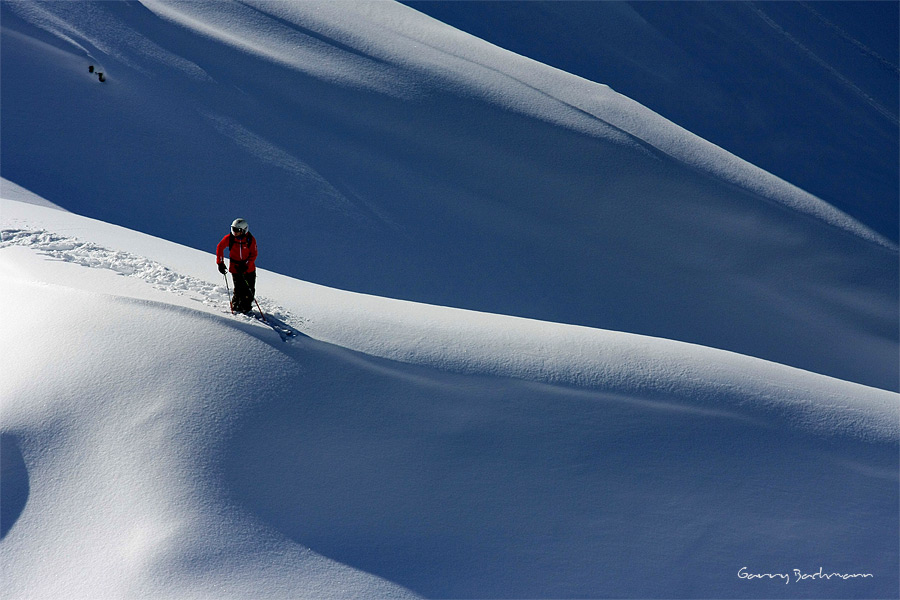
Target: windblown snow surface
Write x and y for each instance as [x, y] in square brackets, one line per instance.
[719, 418]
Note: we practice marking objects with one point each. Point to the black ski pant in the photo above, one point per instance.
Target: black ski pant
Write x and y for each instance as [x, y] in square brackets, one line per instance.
[244, 291]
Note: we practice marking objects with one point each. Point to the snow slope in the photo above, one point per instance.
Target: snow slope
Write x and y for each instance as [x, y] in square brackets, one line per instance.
[805, 90]
[377, 150]
[618, 362]
[403, 447]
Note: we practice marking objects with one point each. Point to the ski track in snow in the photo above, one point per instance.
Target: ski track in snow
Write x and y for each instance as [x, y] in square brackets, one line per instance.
[841, 33]
[825, 65]
[161, 277]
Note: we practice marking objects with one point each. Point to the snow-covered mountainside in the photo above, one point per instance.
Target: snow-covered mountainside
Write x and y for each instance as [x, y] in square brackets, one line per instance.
[578, 351]
[154, 445]
[805, 90]
[377, 150]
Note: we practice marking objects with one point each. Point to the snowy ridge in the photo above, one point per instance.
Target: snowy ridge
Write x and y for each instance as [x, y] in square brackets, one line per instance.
[466, 342]
[557, 346]
[89, 254]
[11, 191]
[355, 467]
[735, 74]
[410, 160]
[400, 42]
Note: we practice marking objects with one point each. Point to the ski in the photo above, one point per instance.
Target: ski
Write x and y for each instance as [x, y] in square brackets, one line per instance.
[281, 328]
[284, 330]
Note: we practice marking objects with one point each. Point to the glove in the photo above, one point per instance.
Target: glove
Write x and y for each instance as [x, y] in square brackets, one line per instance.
[222, 268]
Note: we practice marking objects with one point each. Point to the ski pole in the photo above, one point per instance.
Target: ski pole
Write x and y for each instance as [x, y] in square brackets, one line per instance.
[247, 283]
[265, 320]
[227, 287]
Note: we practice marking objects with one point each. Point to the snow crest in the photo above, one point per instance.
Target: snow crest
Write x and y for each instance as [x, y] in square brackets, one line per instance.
[355, 461]
[89, 254]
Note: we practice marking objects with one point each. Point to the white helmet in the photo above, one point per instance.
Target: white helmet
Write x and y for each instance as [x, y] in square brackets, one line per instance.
[239, 227]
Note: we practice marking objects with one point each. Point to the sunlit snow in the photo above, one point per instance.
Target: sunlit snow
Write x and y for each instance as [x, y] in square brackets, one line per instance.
[548, 343]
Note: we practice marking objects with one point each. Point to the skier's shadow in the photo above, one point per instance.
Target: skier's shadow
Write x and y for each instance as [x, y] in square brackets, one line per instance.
[287, 332]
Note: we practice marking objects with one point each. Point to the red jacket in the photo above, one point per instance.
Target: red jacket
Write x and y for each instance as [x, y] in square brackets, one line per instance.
[240, 250]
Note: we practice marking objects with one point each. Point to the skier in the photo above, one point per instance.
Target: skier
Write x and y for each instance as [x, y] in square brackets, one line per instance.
[242, 264]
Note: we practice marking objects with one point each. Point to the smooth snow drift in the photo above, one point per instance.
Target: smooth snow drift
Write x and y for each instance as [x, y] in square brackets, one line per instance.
[585, 353]
[403, 447]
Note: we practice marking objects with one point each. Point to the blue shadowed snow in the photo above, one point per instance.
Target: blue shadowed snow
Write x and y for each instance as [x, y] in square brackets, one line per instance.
[429, 166]
[473, 487]
[176, 450]
[723, 399]
[13, 483]
[805, 90]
